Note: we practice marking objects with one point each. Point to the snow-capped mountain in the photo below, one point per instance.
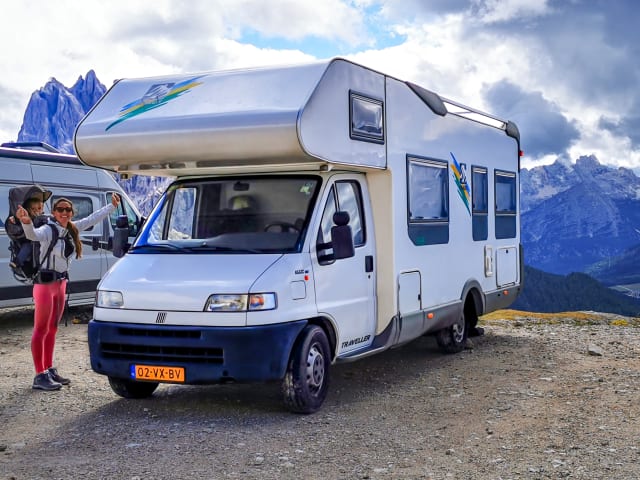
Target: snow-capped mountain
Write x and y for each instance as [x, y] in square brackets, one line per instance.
[575, 216]
[582, 217]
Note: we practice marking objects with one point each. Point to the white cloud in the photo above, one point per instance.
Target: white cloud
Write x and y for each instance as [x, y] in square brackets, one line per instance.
[459, 48]
[491, 11]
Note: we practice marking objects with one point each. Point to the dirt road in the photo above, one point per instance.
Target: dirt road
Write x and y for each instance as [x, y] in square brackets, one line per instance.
[532, 399]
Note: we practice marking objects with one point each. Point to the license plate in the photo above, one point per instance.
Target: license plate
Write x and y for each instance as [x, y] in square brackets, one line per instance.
[157, 373]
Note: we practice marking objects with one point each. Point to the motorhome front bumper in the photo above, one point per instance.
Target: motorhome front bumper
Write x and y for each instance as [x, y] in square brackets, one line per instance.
[207, 354]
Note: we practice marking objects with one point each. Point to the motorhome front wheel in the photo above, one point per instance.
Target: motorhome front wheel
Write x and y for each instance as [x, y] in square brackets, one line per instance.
[306, 381]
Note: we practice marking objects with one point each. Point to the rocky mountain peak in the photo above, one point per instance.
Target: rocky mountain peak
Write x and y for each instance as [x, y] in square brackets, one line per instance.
[54, 111]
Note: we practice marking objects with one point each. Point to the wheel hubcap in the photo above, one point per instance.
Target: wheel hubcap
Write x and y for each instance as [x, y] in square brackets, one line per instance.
[315, 367]
[458, 332]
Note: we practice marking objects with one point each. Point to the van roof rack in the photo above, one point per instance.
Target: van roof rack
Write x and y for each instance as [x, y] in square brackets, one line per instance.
[45, 147]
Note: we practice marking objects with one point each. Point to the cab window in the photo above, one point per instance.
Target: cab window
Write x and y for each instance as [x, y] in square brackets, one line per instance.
[132, 218]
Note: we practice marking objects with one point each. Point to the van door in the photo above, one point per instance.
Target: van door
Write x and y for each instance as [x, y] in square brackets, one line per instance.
[345, 289]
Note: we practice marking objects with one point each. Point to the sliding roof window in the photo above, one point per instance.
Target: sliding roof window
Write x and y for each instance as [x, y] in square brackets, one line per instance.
[506, 204]
[480, 203]
[428, 201]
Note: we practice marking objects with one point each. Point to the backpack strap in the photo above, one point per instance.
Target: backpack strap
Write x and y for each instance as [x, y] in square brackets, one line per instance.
[54, 240]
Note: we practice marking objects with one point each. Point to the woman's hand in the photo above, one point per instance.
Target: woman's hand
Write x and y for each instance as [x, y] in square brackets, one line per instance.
[23, 215]
[115, 199]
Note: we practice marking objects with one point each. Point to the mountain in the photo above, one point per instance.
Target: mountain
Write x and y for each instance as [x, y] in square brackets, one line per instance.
[575, 216]
[54, 111]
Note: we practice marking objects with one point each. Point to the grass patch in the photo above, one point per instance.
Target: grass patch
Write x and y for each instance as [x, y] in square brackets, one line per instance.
[579, 318]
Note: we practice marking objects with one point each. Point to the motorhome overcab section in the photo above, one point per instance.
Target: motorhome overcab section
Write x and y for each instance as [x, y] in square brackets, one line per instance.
[321, 213]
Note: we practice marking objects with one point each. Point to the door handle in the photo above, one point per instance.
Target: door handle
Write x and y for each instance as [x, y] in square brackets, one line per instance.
[368, 263]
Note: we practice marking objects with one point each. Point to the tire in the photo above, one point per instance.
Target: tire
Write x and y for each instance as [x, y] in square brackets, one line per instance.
[306, 381]
[453, 338]
[131, 388]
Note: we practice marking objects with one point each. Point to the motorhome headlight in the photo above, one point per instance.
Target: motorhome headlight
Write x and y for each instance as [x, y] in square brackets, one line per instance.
[240, 302]
[109, 299]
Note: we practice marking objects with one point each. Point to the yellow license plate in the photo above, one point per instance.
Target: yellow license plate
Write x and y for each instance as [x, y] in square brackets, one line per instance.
[158, 373]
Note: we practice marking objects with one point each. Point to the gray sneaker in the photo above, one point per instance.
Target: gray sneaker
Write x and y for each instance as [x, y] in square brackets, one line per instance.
[43, 381]
[53, 373]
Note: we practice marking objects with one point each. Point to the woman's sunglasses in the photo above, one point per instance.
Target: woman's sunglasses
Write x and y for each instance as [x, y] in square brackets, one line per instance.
[63, 209]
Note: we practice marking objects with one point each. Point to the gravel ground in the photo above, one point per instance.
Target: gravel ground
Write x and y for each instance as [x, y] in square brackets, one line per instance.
[530, 399]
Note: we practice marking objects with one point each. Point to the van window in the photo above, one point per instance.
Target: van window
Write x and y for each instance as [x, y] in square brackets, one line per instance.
[480, 203]
[506, 204]
[427, 201]
[132, 218]
[252, 214]
[4, 203]
[344, 196]
[182, 212]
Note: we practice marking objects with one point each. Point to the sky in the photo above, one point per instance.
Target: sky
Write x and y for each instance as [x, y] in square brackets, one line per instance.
[567, 72]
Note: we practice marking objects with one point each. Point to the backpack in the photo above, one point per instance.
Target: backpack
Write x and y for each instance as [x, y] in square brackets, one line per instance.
[24, 254]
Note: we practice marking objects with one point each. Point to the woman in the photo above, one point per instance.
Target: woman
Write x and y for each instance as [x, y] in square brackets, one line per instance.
[49, 298]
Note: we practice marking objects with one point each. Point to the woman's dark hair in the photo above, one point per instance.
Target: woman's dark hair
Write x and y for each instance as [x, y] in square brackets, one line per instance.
[73, 230]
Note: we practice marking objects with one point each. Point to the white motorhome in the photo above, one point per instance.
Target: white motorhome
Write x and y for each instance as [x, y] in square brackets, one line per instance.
[321, 213]
[26, 163]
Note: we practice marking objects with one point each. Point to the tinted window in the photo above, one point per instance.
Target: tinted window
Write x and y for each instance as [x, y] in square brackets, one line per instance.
[344, 196]
[428, 201]
[479, 190]
[428, 191]
[505, 192]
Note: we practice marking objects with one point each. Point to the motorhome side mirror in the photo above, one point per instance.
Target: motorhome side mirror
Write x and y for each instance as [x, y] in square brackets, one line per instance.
[341, 236]
[121, 236]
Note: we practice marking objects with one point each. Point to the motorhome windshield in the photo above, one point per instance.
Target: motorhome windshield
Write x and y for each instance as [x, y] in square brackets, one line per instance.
[261, 214]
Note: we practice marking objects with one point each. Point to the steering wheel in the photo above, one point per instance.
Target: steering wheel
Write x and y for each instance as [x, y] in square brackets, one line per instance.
[284, 227]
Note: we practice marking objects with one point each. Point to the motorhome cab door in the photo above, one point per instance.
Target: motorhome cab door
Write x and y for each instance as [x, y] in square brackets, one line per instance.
[345, 288]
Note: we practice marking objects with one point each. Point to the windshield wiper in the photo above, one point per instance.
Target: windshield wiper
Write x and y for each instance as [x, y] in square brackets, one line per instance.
[156, 246]
[219, 248]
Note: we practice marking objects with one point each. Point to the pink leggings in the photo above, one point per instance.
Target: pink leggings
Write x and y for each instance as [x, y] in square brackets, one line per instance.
[49, 306]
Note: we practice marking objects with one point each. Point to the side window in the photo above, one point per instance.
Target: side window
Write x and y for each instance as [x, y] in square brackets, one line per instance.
[480, 203]
[181, 214]
[506, 204]
[324, 234]
[344, 196]
[427, 201]
[132, 218]
[4, 204]
[350, 201]
[82, 206]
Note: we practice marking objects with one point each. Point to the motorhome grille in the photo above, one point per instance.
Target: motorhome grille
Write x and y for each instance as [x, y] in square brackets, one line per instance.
[158, 332]
[162, 353]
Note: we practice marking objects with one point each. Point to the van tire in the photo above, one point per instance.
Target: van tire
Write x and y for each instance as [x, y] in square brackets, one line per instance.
[453, 338]
[306, 381]
[132, 389]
